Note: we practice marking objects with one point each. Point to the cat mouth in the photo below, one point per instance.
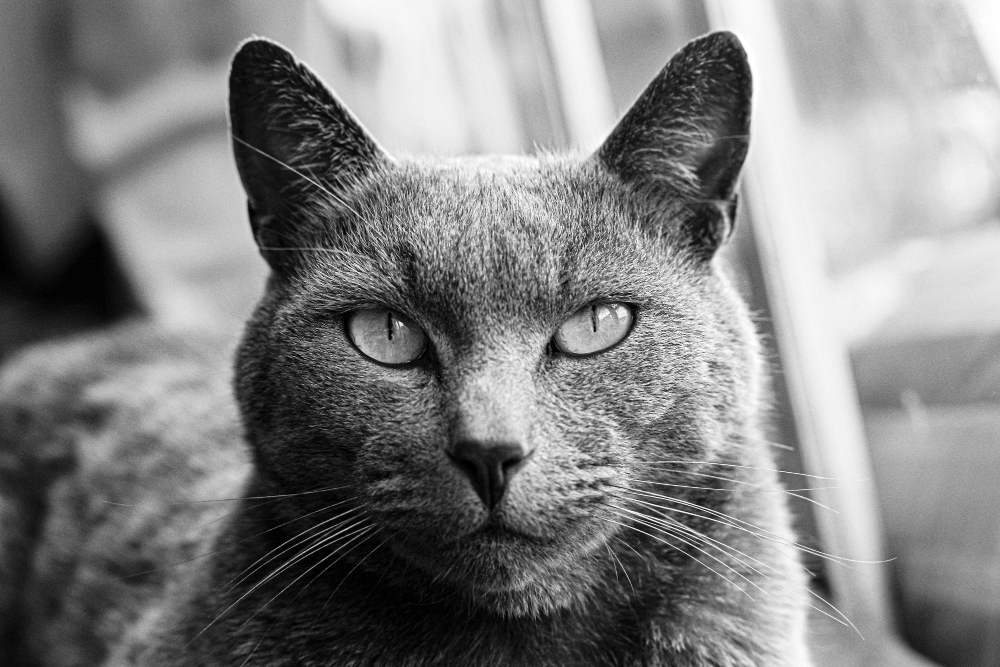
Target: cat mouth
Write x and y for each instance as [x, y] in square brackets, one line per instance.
[496, 530]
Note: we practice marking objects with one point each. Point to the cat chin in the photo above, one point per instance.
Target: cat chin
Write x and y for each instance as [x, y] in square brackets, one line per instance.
[536, 595]
[533, 601]
[503, 573]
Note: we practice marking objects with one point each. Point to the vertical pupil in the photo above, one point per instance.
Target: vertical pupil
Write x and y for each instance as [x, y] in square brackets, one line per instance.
[593, 318]
[388, 323]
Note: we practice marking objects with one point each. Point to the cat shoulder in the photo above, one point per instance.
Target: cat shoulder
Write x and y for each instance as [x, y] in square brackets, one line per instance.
[50, 391]
[103, 439]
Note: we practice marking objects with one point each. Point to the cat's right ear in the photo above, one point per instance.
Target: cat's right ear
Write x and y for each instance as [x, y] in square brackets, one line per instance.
[684, 141]
[294, 143]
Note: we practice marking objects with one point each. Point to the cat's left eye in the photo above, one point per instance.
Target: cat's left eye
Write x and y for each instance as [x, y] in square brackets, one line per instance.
[386, 336]
[594, 328]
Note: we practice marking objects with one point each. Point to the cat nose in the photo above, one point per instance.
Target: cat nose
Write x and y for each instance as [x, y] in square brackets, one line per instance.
[489, 466]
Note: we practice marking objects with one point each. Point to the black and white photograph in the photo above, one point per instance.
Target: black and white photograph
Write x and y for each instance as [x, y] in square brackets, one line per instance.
[499, 333]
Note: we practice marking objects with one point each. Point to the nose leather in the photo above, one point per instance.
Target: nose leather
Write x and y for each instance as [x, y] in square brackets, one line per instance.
[489, 466]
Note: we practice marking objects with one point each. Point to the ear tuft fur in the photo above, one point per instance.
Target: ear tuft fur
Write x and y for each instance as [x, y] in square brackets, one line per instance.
[293, 142]
[687, 136]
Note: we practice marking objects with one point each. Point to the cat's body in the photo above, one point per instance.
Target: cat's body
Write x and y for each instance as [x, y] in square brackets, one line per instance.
[491, 499]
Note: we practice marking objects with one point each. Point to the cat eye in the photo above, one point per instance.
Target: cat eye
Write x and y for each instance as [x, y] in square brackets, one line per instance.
[595, 328]
[386, 336]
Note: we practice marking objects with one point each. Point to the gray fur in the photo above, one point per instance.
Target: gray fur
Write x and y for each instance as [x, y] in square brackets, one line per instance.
[488, 256]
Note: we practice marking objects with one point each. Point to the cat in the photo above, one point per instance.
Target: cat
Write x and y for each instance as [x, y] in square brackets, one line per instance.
[489, 411]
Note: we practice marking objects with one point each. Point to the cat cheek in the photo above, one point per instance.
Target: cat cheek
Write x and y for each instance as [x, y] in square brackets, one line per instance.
[658, 410]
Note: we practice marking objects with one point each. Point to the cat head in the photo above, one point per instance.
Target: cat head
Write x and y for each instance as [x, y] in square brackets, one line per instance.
[478, 354]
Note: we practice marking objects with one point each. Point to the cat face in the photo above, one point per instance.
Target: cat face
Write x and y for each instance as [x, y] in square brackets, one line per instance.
[477, 353]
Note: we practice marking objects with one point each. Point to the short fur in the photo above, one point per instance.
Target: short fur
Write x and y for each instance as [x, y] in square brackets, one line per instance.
[645, 528]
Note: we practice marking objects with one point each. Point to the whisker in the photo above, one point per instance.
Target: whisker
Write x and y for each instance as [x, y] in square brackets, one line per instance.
[722, 546]
[309, 533]
[642, 556]
[291, 543]
[259, 642]
[334, 251]
[779, 445]
[681, 526]
[790, 492]
[728, 520]
[336, 552]
[809, 500]
[817, 488]
[322, 609]
[645, 520]
[296, 559]
[331, 535]
[639, 530]
[737, 481]
[693, 488]
[734, 465]
[621, 565]
[226, 500]
[304, 588]
[349, 572]
[708, 475]
[757, 317]
[220, 549]
[731, 551]
[612, 556]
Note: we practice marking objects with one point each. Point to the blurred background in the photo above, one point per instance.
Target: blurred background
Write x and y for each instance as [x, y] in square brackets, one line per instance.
[878, 144]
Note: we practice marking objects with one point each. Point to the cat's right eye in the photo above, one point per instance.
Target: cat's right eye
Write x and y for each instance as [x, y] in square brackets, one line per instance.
[386, 336]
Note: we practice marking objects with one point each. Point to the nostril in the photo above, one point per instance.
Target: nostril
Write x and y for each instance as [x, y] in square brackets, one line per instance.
[489, 466]
[471, 470]
[512, 464]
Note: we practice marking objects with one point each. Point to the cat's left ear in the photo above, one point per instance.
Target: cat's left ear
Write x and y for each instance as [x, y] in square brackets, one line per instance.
[686, 137]
[294, 143]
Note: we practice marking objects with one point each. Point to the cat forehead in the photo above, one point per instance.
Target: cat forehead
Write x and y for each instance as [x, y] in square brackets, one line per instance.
[513, 224]
[535, 207]
[489, 206]
[469, 186]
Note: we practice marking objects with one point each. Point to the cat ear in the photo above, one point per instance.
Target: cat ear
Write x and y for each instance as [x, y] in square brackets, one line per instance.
[294, 142]
[686, 136]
